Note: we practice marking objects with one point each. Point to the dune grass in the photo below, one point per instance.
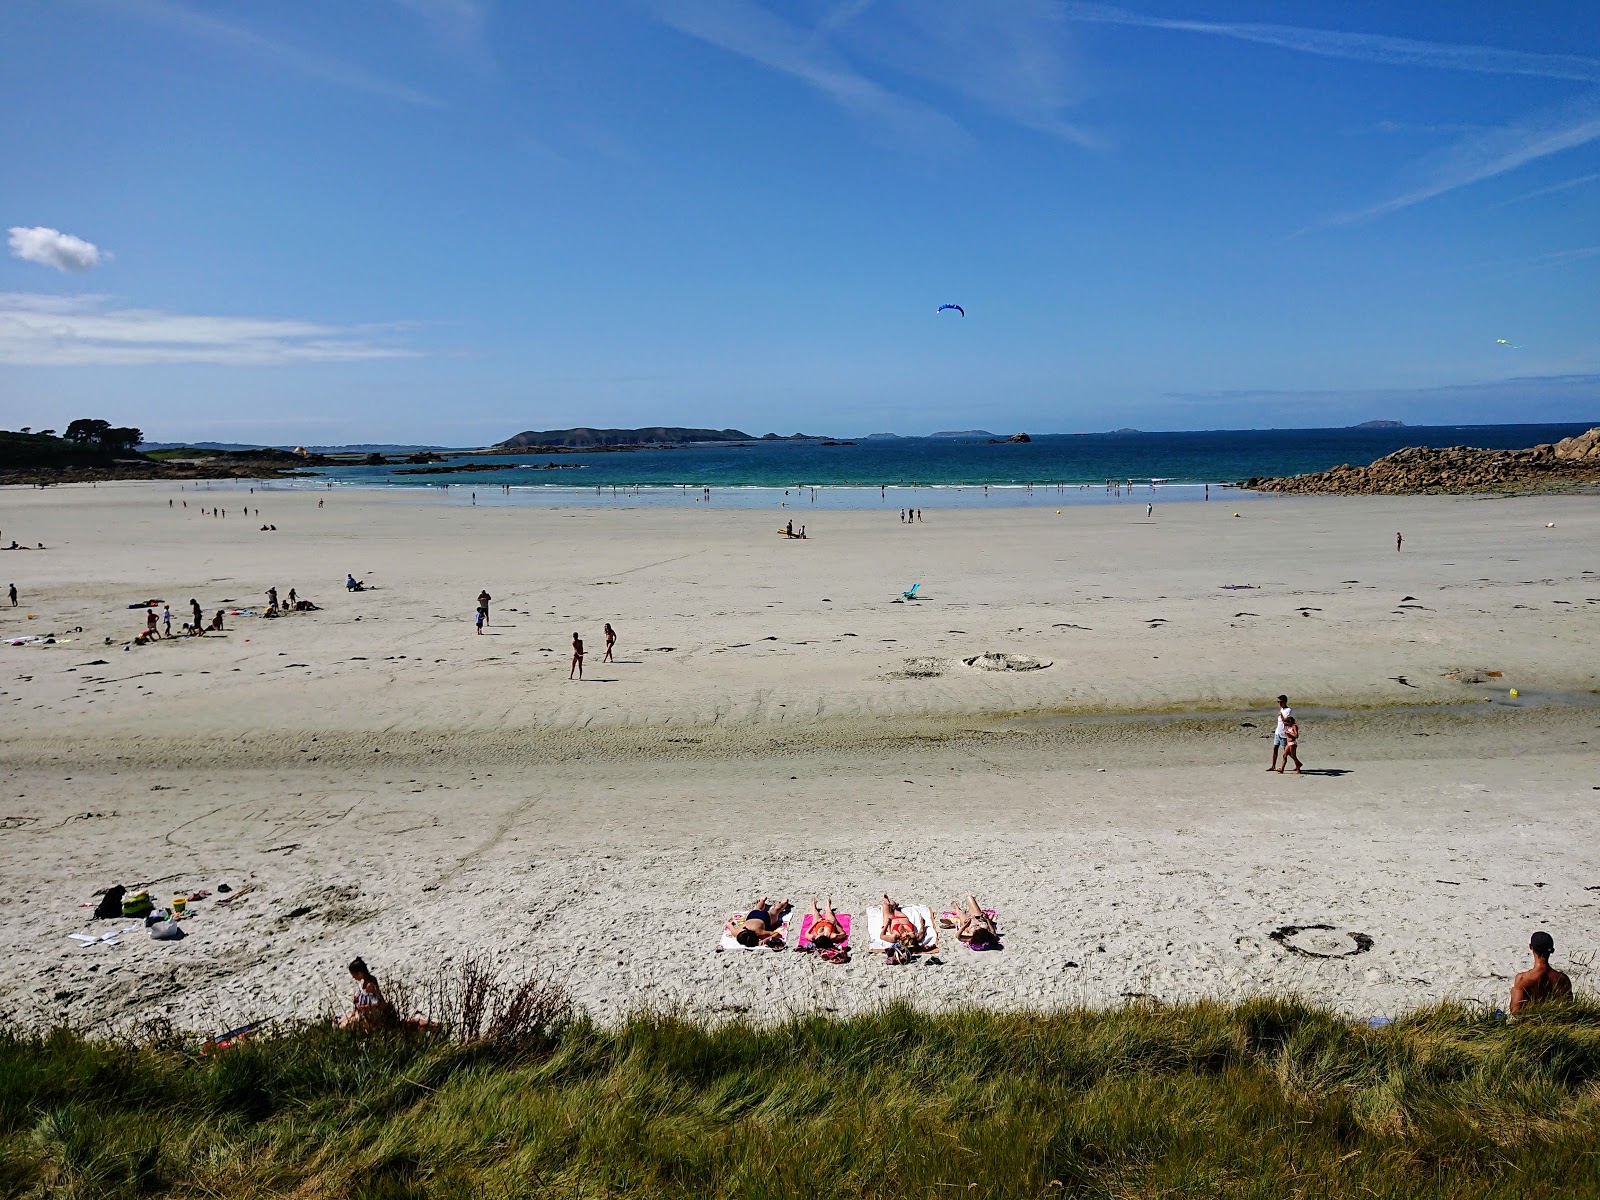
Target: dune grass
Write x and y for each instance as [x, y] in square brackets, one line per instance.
[1270, 1098]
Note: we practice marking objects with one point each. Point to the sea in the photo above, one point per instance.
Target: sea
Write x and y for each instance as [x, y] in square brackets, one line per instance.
[922, 472]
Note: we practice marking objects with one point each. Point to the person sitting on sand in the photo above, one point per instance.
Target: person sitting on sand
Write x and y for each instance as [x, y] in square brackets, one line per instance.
[368, 1008]
[763, 925]
[216, 621]
[900, 929]
[352, 584]
[1541, 981]
[826, 932]
[975, 927]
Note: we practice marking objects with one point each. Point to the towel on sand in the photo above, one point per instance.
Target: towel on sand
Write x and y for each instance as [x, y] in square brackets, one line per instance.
[736, 922]
[810, 919]
[917, 912]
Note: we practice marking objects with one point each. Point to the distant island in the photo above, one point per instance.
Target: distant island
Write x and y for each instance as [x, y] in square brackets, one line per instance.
[964, 433]
[583, 438]
[1380, 425]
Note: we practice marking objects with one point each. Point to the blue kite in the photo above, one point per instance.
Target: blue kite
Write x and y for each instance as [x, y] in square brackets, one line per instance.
[957, 307]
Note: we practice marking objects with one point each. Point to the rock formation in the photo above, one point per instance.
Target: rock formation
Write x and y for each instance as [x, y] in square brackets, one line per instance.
[1453, 469]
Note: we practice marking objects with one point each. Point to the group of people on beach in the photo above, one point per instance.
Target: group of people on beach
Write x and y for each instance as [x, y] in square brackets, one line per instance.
[575, 671]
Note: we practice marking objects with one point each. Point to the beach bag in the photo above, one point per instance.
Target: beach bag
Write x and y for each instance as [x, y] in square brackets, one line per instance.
[137, 904]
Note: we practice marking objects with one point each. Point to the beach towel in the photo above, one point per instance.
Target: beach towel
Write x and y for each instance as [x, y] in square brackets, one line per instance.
[810, 919]
[951, 919]
[917, 912]
[736, 922]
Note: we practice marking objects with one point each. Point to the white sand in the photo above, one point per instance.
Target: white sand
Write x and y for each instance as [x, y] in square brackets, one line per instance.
[428, 793]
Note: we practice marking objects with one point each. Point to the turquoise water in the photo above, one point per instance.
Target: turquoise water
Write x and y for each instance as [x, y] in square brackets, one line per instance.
[929, 472]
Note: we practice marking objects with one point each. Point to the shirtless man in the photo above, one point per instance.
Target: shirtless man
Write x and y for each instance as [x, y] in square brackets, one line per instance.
[577, 658]
[1280, 736]
[1541, 981]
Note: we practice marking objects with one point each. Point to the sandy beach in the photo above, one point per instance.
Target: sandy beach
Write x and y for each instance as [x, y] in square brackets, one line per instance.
[397, 786]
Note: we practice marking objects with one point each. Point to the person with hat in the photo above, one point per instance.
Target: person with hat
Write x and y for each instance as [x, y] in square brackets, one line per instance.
[1541, 981]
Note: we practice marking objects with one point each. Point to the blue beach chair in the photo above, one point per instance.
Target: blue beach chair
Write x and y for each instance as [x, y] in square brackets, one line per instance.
[912, 594]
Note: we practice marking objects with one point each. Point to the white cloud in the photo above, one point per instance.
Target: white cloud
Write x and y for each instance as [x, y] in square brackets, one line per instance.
[48, 331]
[52, 248]
[1488, 154]
[238, 38]
[1362, 47]
[756, 34]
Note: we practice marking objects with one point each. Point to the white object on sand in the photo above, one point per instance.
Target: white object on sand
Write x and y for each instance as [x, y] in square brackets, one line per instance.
[917, 912]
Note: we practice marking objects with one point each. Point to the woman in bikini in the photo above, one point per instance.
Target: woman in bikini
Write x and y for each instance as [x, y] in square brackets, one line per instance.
[975, 926]
[611, 641]
[763, 925]
[900, 929]
[825, 932]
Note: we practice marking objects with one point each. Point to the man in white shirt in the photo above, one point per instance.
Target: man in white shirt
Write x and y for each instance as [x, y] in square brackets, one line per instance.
[1280, 738]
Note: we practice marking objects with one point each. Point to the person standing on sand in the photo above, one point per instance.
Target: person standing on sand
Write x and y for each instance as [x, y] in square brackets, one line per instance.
[13, 595]
[1149, 510]
[1541, 981]
[1280, 737]
[166, 621]
[1397, 541]
[479, 617]
[483, 605]
[611, 640]
[199, 617]
[577, 657]
[150, 620]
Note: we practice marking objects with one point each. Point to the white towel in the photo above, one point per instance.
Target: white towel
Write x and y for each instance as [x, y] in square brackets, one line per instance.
[729, 942]
[917, 912]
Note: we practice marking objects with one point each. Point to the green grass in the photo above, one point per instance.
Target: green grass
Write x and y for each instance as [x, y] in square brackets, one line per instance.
[1271, 1098]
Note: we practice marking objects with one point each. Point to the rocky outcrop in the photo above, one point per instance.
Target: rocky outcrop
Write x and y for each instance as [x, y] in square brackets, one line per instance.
[1453, 469]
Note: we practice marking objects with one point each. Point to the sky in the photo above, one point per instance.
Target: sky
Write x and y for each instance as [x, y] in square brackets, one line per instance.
[446, 221]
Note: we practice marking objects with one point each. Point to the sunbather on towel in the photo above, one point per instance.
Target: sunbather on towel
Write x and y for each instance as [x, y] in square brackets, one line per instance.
[762, 925]
[900, 929]
[826, 932]
[975, 927]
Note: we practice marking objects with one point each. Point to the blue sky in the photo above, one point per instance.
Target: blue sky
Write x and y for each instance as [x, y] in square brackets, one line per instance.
[450, 220]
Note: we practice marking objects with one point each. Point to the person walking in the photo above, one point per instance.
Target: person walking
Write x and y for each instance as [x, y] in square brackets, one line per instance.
[483, 605]
[611, 641]
[577, 657]
[166, 621]
[1280, 737]
[13, 595]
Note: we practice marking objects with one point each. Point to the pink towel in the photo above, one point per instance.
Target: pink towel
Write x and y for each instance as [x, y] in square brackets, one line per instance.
[810, 919]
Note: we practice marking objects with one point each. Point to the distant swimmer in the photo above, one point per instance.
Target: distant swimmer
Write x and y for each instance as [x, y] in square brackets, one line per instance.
[577, 657]
[611, 640]
[1541, 981]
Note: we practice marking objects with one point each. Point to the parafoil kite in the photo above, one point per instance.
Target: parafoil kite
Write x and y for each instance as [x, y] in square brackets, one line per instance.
[957, 307]
[1506, 344]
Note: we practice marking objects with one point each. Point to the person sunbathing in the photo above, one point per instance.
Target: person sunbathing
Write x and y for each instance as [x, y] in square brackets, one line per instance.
[975, 927]
[763, 925]
[826, 932]
[900, 929]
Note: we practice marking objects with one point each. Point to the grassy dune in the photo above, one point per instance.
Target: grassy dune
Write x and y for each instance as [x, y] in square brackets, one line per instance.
[1267, 1099]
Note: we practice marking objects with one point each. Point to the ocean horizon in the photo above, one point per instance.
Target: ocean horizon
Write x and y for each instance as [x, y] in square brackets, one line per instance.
[939, 472]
